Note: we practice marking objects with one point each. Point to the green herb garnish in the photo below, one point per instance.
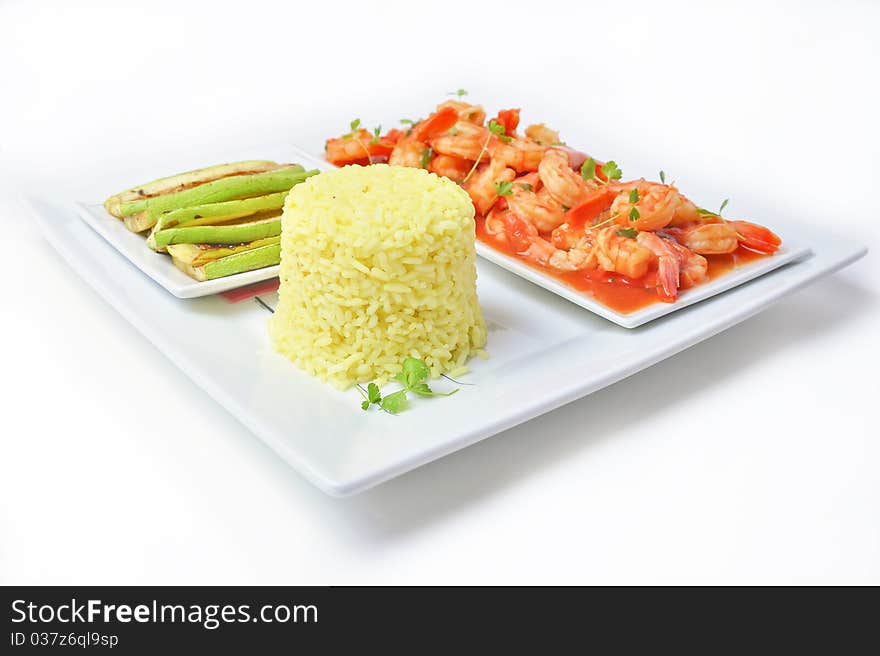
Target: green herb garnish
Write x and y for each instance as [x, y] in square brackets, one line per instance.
[354, 125]
[526, 186]
[706, 212]
[634, 214]
[662, 177]
[376, 132]
[412, 376]
[427, 153]
[504, 188]
[588, 169]
[395, 402]
[632, 233]
[498, 130]
[634, 195]
[609, 169]
[459, 93]
[372, 395]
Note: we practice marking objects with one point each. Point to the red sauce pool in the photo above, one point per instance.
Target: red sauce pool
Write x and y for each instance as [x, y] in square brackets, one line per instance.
[618, 292]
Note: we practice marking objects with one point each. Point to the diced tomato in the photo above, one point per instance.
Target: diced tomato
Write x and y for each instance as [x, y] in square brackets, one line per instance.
[509, 120]
[437, 123]
[585, 212]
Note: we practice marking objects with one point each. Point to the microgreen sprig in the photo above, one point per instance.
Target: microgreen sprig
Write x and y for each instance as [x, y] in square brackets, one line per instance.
[413, 377]
[494, 128]
[355, 127]
[706, 212]
[504, 188]
[460, 93]
[427, 154]
[632, 233]
[498, 130]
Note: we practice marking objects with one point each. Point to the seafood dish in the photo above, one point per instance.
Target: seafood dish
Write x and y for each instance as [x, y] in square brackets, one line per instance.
[627, 243]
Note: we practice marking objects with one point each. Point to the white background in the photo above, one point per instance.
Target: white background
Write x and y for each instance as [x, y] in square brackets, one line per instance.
[751, 458]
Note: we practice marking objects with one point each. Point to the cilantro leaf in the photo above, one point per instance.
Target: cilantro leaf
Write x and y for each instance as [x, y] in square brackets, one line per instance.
[525, 186]
[504, 188]
[365, 405]
[632, 233]
[588, 169]
[634, 214]
[611, 170]
[373, 393]
[498, 130]
[414, 371]
[634, 195]
[395, 402]
[422, 389]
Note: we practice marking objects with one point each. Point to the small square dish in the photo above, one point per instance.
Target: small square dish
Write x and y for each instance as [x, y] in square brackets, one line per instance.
[158, 266]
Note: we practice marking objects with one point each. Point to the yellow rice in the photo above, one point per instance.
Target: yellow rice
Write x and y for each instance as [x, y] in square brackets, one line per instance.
[377, 264]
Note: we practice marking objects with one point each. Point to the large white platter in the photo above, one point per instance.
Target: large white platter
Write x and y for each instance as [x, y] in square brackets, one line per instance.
[545, 352]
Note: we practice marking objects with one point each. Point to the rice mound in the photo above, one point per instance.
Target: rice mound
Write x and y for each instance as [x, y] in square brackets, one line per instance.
[377, 264]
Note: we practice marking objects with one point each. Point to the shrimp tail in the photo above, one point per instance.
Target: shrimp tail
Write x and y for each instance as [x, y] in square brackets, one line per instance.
[668, 265]
[756, 237]
[667, 278]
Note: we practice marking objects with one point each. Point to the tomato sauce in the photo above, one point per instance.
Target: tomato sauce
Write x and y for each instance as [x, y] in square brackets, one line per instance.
[622, 294]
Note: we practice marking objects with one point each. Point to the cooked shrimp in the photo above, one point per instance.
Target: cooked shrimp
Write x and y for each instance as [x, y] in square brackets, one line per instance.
[693, 266]
[541, 134]
[495, 224]
[451, 167]
[756, 237]
[685, 212]
[519, 154]
[467, 141]
[481, 185]
[524, 238]
[656, 205]
[668, 264]
[566, 186]
[622, 255]
[538, 207]
[706, 238]
[356, 148]
[408, 152]
[470, 113]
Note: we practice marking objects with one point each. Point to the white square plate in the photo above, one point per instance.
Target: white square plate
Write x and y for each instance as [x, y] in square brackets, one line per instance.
[545, 352]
